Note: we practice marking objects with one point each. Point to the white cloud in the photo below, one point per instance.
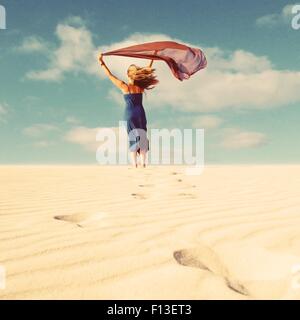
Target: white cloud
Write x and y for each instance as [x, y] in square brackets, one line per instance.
[33, 44]
[207, 122]
[233, 138]
[39, 129]
[76, 53]
[287, 11]
[43, 144]
[269, 20]
[274, 19]
[237, 61]
[83, 136]
[72, 120]
[86, 137]
[32, 100]
[48, 75]
[3, 111]
[75, 21]
[233, 79]
[116, 96]
[236, 80]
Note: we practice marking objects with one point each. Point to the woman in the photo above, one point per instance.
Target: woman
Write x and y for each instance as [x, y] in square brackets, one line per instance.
[139, 80]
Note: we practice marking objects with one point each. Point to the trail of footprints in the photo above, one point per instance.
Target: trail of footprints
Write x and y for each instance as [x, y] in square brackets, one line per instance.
[201, 257]
[186, 195]
[85, 219]
[179, 180]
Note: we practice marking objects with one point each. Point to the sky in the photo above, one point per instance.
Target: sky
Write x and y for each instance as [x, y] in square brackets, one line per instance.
[54, 96]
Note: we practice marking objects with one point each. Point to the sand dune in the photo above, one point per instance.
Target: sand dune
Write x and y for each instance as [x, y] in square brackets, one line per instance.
[82, 232]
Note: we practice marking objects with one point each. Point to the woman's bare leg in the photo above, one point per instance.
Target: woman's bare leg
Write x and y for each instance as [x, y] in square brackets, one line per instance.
[133, 158]
[143, 155]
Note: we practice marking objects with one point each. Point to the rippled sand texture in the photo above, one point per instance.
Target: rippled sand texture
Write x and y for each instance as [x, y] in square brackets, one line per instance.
[121, 233]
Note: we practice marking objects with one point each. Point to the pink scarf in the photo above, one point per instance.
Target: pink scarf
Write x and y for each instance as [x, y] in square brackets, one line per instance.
[182, 60]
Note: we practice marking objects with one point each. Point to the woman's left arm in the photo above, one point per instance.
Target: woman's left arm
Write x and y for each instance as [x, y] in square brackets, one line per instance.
[117, 82]
[151, 63]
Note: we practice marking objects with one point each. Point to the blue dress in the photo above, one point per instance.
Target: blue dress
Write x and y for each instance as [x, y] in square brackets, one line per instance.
[136, 119]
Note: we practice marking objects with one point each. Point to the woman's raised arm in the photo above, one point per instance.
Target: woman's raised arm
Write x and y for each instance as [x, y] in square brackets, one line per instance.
[117, 82]
[151, 63]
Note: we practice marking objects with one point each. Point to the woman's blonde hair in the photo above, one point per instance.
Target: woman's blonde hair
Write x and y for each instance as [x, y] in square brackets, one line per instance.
[142, 77]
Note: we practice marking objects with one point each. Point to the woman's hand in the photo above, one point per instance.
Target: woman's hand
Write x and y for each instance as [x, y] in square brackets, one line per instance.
[151, 63]
[101, 58]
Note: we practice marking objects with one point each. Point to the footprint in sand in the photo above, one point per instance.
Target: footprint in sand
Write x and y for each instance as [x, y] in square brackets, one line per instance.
[139, 196]
[146, 185]
[81, 219]
[189, 186]
[187, 195]
[206, 259]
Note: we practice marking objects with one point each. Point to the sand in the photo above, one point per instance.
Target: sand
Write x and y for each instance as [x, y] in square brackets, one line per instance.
[80, 232]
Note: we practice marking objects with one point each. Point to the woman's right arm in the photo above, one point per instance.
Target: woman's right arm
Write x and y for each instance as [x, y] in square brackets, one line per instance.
[117, 82]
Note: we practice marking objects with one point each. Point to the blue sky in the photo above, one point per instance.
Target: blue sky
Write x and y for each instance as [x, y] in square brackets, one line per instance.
[52, 96]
